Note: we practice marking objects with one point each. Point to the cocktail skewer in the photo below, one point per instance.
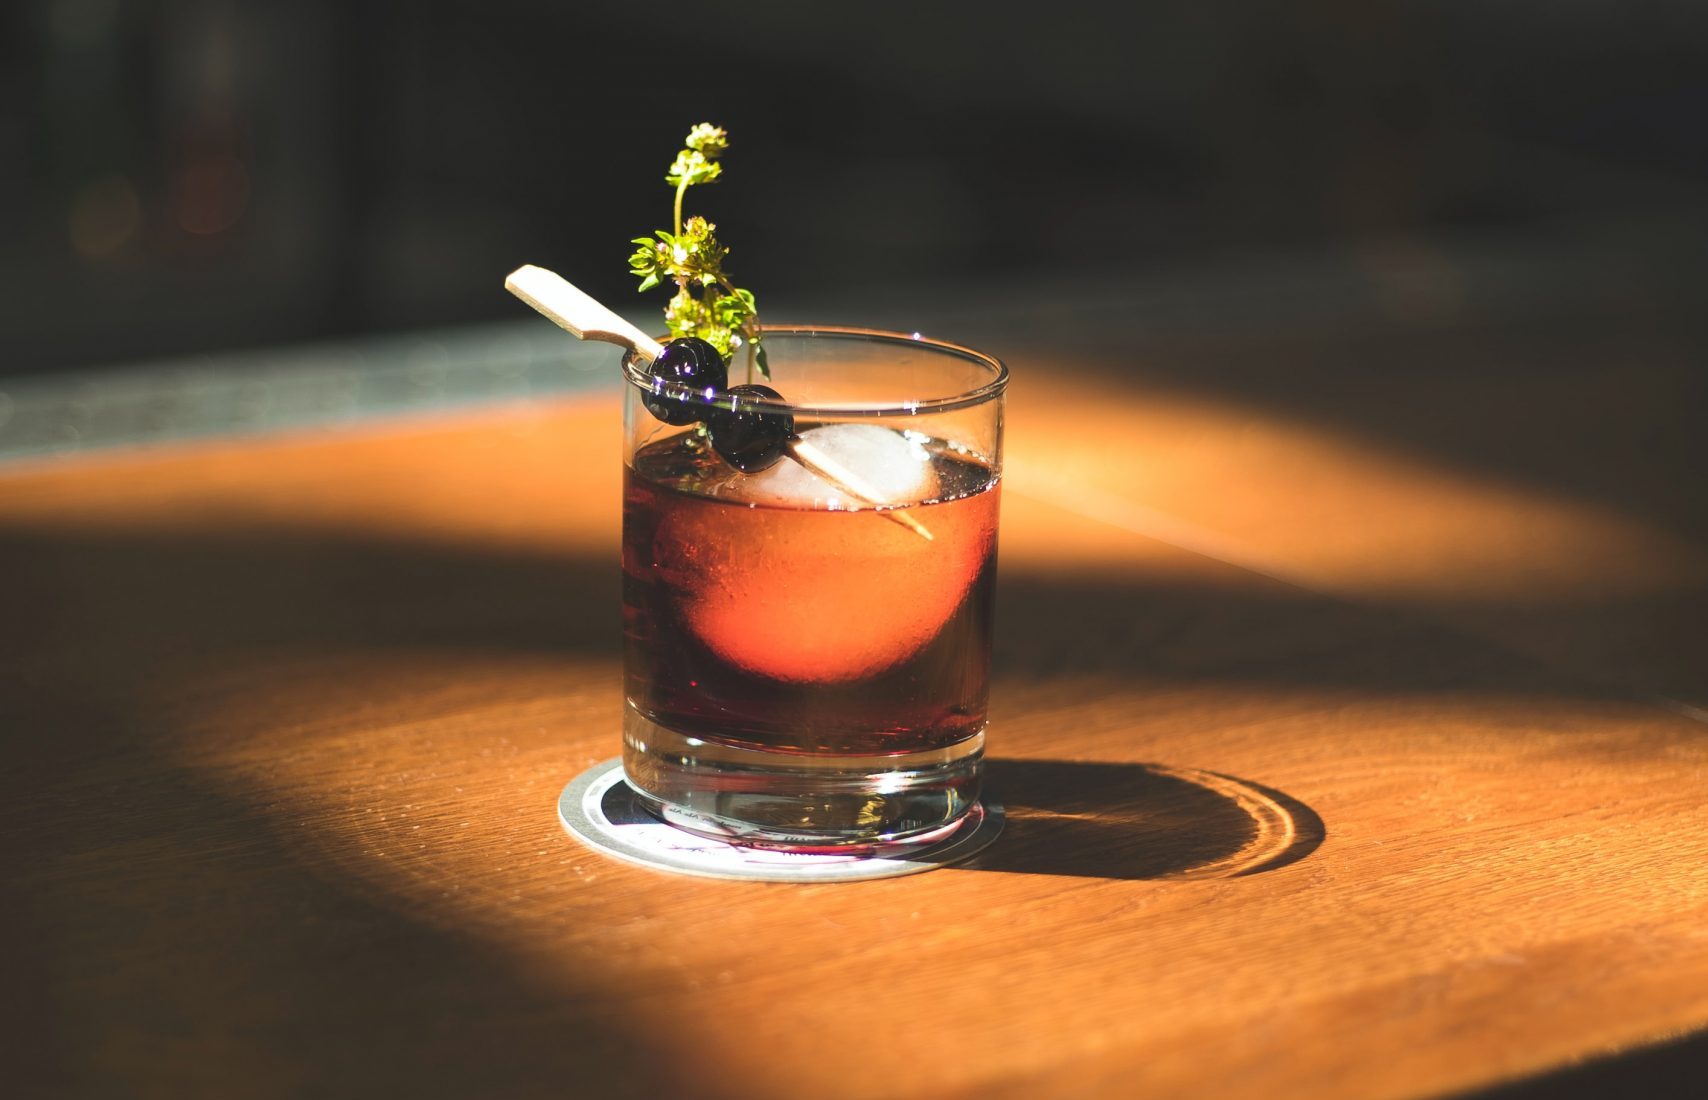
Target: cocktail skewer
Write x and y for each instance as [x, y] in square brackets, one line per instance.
[577, 312]
[586, 318]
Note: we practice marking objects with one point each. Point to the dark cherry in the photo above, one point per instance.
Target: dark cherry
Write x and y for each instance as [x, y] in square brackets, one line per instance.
[687, 361]
[750, 439]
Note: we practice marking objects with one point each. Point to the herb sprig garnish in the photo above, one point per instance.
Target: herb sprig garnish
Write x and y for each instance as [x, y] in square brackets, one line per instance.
[707, 304]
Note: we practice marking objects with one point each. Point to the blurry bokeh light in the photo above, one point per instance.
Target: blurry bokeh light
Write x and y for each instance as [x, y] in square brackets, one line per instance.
[105, 216]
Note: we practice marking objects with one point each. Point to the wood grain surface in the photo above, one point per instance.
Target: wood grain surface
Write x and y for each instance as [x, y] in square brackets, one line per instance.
[1336, 761]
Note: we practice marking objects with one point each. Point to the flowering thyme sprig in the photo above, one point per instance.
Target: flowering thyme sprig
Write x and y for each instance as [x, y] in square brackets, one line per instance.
[706, 304]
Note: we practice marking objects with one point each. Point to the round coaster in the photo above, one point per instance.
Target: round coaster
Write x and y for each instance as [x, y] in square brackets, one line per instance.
[601, 810]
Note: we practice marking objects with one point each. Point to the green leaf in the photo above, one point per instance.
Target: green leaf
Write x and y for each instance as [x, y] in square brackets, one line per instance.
[760, 360]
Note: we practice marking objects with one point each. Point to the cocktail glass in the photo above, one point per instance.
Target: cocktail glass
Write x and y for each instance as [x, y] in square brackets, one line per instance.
[807, 646]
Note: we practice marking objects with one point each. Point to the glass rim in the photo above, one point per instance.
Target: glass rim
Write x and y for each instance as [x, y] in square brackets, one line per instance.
[989, 390]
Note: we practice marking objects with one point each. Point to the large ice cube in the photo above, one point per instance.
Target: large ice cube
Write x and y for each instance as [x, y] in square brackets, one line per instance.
[888, 464]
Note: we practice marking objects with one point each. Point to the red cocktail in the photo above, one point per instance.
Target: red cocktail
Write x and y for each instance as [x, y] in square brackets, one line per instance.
[805, 666]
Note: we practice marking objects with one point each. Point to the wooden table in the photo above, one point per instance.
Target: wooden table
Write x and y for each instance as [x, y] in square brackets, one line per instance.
[1345, 718]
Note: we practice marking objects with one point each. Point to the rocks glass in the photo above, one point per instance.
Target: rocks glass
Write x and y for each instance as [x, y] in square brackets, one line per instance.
[807, 644]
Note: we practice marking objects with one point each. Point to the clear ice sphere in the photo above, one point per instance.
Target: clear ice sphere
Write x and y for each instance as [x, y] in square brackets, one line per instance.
[897, 468]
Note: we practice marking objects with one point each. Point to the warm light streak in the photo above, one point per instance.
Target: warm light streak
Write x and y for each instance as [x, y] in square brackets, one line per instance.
[1318, 509]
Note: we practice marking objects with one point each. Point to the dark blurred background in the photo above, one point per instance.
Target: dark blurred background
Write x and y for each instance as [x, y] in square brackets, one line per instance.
[207, 174]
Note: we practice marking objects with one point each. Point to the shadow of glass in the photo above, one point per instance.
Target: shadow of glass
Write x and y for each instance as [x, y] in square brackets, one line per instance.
[1141, 821]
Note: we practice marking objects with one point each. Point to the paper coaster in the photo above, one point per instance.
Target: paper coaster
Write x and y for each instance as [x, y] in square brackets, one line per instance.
[601, 810]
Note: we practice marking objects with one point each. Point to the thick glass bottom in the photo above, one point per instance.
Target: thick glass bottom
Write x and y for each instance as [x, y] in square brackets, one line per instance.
[793, 801]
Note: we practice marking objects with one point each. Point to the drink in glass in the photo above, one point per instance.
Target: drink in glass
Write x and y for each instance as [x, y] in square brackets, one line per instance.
[807, 645]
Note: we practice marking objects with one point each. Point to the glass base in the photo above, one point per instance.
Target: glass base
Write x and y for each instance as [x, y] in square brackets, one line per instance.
[797, 802]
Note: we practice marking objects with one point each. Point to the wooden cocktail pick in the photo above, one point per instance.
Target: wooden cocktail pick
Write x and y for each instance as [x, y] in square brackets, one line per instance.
[577, 312]
[586, 318]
